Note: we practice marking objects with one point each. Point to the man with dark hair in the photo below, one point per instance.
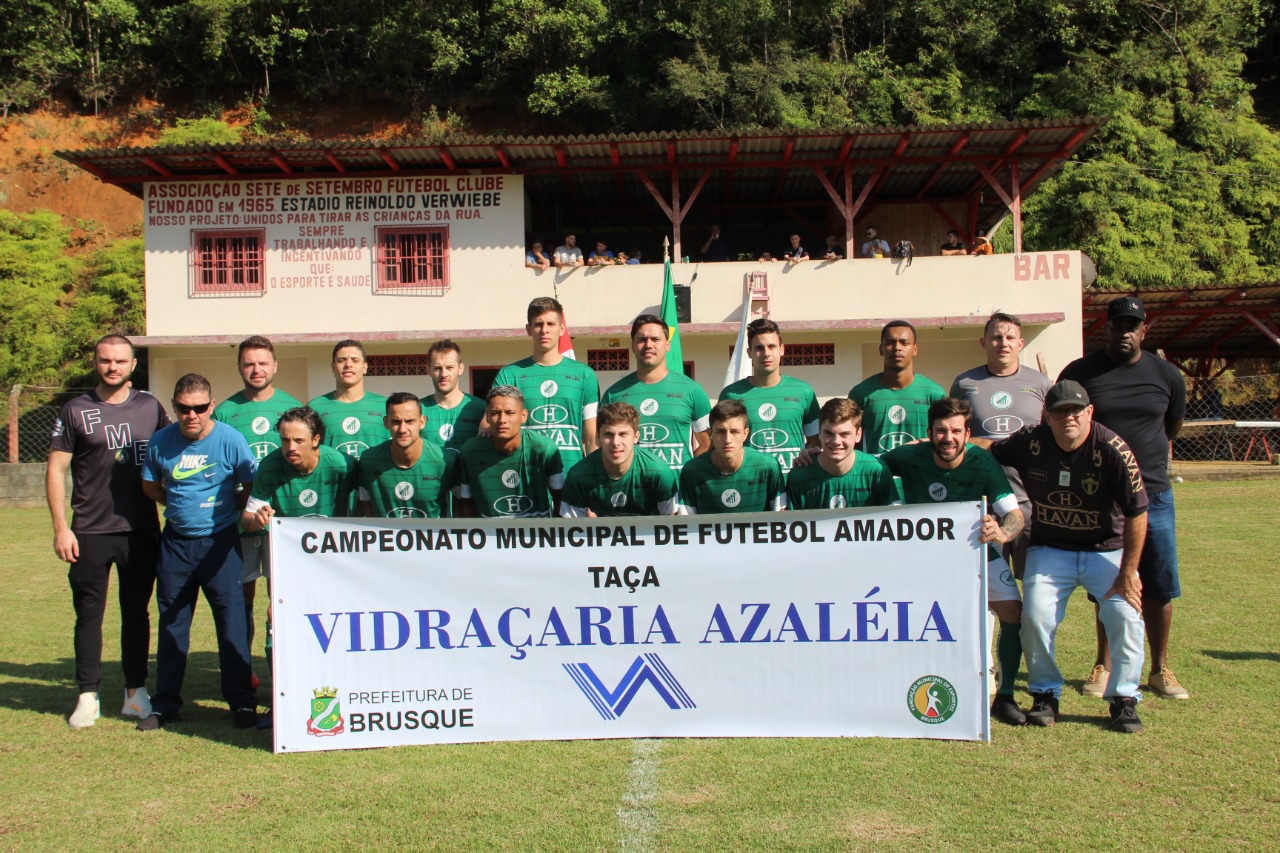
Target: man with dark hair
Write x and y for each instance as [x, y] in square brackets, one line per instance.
[253, 412]
[714, 248]
[101, 438]
[833, 251]
[840, 475]
[876, 246]
[404, 477]
[195, 467]
[783, 410]
[1144, 399]
[673, 408]
[953, 246]
[796, 253]
[732, 477]
[619, 479]
[352, 416]
[1090, 512]
[949, 469]
[562, 393]
[303, 477]
[510, 473]
[568, 256]
[895, 402]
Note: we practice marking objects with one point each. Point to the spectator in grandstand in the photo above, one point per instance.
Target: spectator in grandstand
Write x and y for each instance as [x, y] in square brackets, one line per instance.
[796, 253]
[536, 258]
[982, 244]
[601, 257]
[953, 246]
[634, 256]
[833, 250]
[714, 247]
[568, 256]
[876, 246]
[766, 258]
[1143, 398]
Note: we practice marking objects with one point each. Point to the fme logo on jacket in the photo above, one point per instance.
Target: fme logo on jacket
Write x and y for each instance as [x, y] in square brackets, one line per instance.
[611, 704]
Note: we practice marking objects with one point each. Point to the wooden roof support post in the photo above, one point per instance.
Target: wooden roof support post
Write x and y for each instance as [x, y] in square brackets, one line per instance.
[1015, 179]
[1266, 330]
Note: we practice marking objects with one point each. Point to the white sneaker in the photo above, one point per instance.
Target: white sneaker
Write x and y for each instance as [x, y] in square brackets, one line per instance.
[86, 713]
[138, 705]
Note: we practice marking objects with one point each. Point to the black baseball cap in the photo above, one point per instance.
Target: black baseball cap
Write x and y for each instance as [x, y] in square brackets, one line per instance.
[1127, 306]
[1066, 393]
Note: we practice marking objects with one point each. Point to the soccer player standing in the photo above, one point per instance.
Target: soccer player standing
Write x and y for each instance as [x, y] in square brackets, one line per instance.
[895, 402]
[510, 473]
[101, 438]
[839, 475]
[732, 477]
[404, 477]
[619, 478]
[352, 416]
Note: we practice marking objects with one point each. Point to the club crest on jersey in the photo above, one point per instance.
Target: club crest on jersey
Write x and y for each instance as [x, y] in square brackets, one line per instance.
[730, 498]
[308, 497]
[403, 490]
[260, 425]
[768, 411]
[351, 425]
[1002, 399]
[549, 388]
[618, 500]
[1090, 485]
[938, 491]
[897, 414]
[649, 407]
[510, 478]
[446, 432]
[837, 502]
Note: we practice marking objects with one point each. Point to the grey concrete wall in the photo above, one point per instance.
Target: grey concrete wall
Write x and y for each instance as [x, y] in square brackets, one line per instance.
[23, 484]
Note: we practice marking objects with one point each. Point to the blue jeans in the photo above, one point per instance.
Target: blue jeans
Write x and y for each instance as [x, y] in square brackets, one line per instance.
[1052, 575]
[187, 565]
[1158, 567]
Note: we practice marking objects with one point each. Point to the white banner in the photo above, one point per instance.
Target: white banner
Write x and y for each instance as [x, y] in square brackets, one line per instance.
[823, 624]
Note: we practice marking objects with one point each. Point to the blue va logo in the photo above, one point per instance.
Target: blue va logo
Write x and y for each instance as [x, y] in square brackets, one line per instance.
[611, 704]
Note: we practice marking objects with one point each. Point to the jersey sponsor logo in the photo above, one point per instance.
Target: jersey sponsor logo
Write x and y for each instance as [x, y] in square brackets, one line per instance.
[261, 449]
[730, 498]
[549, 388]
[611, 703]
[649, 407]
[260, 425]
[118, 435]
[653, 433]
[767, 411]
[549, 414]
[897, 414]
[406, 512]
[1068, 519]
[1070, 500]
[1000, 426]
[618, 500]
[403, 490]
[308, 497]
[890, 440]
[837, 502]
[190, 464]
[351, 425]
[564, 437]
[352, 448]
[513, 505]
[510, 478]
[938, 491]
[445, 432]
[769, 438]
[122, 455]
[932, 699]
[1002, 399]
[671, 454]
[209, 502]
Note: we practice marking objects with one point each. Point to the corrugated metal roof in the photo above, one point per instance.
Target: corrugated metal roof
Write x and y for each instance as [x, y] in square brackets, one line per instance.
[1203, 323]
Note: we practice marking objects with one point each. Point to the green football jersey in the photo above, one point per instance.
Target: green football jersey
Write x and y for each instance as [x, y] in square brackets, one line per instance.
[395, 492]
[647, 488]
[781, 416]
[559, 398]
[327, 491]
[757, 486]
[256, 419]
[449, 429]
[671, 411]
[352, 427]
[892, 417]
[516, 485]
[867, 483]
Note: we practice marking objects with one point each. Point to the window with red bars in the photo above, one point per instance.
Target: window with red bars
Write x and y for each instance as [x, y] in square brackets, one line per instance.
[806, 355]
[412, 364]
[227, 263]
[609, 359]
[412, 261]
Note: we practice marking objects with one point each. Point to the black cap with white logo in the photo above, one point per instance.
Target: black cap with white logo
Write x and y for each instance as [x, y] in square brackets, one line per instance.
[1127, 306]
[1066, 393]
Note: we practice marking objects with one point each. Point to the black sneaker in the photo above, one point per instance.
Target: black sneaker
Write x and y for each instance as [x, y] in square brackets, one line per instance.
[246, 718]
[1044, 709]
[1007, 711]
[1124, 715]
[265, 722]
[150, 723]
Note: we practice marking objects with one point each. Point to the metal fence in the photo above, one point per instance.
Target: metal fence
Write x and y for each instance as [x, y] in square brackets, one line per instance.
[32, 411]
[1227, 419]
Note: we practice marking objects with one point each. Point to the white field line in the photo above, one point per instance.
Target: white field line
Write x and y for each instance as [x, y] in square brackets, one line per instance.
[638, 814]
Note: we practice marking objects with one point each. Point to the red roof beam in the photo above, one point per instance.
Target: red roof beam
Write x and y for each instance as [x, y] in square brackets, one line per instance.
[224, 164]
[335, 162]
[156, 166]
[1061, 154]
[942, 167]
[387, 158]
[281, 163]
[503, 157]
[785, 166]
[448, 158]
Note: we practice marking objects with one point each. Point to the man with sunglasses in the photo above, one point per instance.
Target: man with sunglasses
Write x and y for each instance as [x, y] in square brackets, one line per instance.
[194, 468]
[1090, 511]
[1144, 399]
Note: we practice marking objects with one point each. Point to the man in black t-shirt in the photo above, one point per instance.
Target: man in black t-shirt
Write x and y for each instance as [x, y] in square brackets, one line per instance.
[102, 437]
[1090, 509]
[1144, 399]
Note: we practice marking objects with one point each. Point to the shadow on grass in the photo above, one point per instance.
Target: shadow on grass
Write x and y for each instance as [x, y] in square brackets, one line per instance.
[1216, 654]
[48, 687]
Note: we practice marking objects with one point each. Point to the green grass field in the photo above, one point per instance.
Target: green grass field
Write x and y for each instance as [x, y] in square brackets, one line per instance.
[1205, 774]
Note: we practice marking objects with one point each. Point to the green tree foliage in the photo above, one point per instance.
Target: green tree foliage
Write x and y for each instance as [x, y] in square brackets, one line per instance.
[200, 131]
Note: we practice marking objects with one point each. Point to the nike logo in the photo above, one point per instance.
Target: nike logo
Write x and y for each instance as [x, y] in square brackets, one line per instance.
[182, 475]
